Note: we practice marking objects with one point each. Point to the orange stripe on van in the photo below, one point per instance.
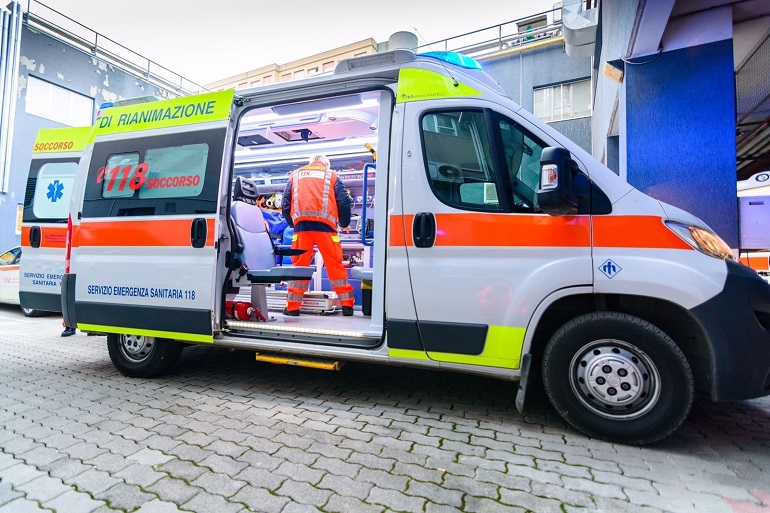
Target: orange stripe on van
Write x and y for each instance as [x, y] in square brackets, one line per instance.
[167, 232]
[401, 230]
[635, 232]
[50, 237]
[482, 229]
[522, 230]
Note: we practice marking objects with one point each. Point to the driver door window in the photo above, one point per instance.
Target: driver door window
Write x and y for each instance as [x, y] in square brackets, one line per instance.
[473, 167]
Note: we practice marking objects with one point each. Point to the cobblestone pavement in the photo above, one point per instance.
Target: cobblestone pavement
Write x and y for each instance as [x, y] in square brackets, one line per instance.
[227, 434]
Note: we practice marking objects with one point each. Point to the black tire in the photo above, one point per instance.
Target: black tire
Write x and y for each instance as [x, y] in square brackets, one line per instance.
[617, 377]
[137, 356]
[29, 312]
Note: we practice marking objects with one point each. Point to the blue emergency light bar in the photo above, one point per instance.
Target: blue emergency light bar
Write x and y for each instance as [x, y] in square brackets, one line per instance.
[455, 58]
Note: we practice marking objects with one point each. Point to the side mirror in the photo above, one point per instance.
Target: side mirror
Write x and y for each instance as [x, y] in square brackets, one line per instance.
[554, 194]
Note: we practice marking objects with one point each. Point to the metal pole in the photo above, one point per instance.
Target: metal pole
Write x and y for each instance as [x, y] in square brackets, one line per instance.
[4, 87]
[16, 20]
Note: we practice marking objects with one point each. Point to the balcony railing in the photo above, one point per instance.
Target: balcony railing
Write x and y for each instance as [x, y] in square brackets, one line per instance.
[497, 38]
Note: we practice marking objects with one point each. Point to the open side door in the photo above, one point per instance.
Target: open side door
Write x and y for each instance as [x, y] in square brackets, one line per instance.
[145, 248]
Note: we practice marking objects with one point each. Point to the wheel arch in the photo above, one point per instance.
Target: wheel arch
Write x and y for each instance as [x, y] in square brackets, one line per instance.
[671, 318]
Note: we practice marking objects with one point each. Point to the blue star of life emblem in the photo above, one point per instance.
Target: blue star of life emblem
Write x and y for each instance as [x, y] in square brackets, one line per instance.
[610, 269]
[55, 191]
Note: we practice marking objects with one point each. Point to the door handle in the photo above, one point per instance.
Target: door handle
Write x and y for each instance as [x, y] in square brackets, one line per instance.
[35, 235]
[198, 232]
[424, 230]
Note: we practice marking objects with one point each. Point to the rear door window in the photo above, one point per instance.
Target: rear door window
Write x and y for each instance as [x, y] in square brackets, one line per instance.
[161, 175]
[49, 188]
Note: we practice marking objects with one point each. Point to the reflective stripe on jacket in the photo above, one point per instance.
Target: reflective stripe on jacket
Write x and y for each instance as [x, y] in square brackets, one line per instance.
[312, 195]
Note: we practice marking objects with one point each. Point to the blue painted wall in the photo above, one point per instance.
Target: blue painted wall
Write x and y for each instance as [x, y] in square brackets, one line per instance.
[680, 132]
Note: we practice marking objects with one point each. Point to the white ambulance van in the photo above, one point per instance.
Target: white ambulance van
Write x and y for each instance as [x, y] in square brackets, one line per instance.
[490, 244]
[52, 170]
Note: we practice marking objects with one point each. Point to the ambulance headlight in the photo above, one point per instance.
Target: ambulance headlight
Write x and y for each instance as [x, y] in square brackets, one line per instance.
[702, 239]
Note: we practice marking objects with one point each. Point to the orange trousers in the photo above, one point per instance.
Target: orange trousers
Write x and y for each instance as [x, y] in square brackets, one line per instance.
[328, 245]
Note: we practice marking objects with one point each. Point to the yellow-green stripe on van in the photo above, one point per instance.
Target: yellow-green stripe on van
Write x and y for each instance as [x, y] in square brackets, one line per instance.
[57, 140]
[187, 337]
[421, 84]
[502, 349]
[187, 110]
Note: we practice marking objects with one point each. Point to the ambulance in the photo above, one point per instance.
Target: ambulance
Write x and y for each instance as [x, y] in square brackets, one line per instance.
[484, 242]
[54, 163]
[754, 222]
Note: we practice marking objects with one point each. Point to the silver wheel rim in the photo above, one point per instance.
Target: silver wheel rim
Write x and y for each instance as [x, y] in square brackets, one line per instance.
[614, 379]
[136, 348]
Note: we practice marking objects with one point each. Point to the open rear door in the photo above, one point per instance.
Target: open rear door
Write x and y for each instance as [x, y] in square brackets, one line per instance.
[144, 248]
[55, 157]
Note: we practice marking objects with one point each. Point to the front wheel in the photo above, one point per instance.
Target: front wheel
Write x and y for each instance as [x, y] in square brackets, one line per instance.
[617, 377]
[138, 356]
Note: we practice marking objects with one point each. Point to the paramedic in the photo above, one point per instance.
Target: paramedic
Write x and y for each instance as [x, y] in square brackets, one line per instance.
[314, 201]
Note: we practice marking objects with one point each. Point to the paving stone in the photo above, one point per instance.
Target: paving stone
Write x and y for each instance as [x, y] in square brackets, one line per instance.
[158, 506]
[594, 488]
[483, 505]
[7, 460]
[211, 503]
[66, 468]
[299, 472]
[94, 481]
[173, 490]
[434, 493]
[382, 479]
[22, 505]
[19, 474]
[220, 484]
[304, 493]
[261, 478]
[73, 502]
[140, 475]
[561, 494]
[529, 502]
[471, 486]
[260, 460]
[346, 486]
[294, 455]
[259, 499]
[223, 464]
[150, 457]
[124, 496]
[8, 493]
[336, 466]
[109, 462]
[511, 481]
[395, 500]
[371, 461]
[342, 504]
[418, 472]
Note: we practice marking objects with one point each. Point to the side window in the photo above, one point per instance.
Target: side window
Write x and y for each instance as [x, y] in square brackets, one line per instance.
[459, 160]
[521, 159]
[161, 175]
[49, 200]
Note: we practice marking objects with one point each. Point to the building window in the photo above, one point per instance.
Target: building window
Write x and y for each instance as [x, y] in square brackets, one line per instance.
[359, 54]
[312, 71]
[285, 77]
[255, 83]
[243, 85]
[52, 102]
[267, 79]
[563, 101]
[328, 66]
[299, 74]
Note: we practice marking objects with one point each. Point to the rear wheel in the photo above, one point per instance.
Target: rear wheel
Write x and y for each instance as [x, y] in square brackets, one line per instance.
[29, 312]
[617, 377]
[138, 356]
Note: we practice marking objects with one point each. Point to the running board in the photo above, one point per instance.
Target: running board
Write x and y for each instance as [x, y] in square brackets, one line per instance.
[313, 363]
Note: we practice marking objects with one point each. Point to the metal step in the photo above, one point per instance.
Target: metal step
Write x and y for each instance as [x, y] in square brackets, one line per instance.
[314, 363]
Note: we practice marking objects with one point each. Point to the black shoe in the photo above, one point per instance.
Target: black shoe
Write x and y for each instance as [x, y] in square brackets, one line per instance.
[291, 313]
[68, 332]
[347, 311]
